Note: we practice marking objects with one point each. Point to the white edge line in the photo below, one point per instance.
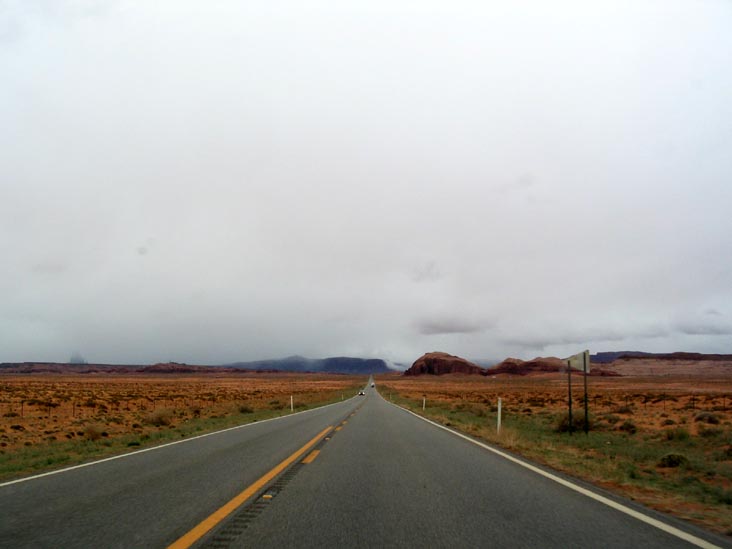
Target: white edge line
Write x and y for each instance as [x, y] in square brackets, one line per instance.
[152, 448]
[585, 492]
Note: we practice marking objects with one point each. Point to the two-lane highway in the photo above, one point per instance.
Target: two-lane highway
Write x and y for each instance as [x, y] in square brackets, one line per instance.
[362, 473]
[389, 479]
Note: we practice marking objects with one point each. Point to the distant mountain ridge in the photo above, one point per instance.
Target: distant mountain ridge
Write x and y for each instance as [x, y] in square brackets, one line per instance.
[617, 363]
[332, 365]
[608, 357]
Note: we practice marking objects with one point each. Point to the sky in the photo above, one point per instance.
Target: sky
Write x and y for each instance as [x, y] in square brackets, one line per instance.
[210, 182]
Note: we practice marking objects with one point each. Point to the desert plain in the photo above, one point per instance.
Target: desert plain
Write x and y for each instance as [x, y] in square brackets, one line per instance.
[55, 420]
[663, 440]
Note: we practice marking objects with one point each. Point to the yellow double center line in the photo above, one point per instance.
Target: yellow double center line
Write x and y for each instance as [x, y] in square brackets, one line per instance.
[217, 516]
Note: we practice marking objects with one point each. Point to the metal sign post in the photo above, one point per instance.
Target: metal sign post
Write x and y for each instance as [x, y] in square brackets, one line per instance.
[587, 411]
[569, 388]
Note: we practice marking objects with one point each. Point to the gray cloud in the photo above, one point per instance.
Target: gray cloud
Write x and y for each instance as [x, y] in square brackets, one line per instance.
[448, 326]
[49, 268]
[211, 182]
[569, 338]
[703, 328]
[427, 272]
[521, 183]
[540, 344]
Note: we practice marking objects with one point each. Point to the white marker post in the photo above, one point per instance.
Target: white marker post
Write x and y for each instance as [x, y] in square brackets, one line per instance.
[424, 402]
[498, 425]
[292, 404]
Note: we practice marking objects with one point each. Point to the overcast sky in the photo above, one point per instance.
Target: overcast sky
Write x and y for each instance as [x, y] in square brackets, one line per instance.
[209, 182]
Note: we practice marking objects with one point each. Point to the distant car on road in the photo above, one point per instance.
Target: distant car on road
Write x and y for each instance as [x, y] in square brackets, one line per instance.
[373, 384]
[361, 393]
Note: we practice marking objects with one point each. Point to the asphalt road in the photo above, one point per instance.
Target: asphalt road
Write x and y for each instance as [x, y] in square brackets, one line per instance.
[389, 479]
[381, 478]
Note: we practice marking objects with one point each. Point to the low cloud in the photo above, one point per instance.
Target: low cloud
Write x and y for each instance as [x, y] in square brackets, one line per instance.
[521, 183]
[580, 338]
[427, 272]
[704, 328]
[49, 268]
[448, 326]
[540, 343]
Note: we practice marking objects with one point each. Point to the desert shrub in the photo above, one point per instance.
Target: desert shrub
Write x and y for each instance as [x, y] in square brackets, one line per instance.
[723, 496]
[477, 410]
[709, 432]
[578, 423]
[133, 443]
[707, 417]
[629, 427]
[276, 405]
[679, 433]
[673, 460]
[668, 422]
[623, 410]
[11, 414]
[93, 432]
[158, 418]
[244, 409]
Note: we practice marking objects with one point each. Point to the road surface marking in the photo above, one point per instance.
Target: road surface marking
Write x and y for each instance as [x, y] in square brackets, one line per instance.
[217, 516]
[311, 456]
[694, 540]
[153, 448]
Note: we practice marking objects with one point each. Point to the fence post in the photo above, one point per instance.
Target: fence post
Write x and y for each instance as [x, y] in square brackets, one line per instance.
[498, 424]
